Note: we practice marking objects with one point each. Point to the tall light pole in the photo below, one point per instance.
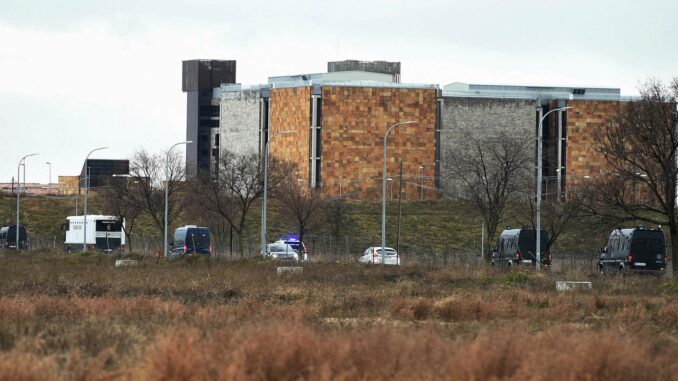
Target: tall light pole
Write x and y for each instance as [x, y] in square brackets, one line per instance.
[263, 205]
[50, 173]
[84, 217]
[421, 194]
[164, 247]
[539, 139]
[383, 192]
[18, 196]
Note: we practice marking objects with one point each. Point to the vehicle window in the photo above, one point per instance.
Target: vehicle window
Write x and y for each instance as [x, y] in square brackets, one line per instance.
[388, 251]
[278, 248]
[198, 237]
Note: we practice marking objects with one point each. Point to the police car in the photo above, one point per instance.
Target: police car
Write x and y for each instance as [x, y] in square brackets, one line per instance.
[297, 245]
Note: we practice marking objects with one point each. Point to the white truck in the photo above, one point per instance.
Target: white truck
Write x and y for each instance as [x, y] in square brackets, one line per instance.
[104, 233]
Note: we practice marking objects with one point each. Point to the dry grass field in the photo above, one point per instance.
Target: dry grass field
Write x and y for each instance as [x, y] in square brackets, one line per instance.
[81, 318]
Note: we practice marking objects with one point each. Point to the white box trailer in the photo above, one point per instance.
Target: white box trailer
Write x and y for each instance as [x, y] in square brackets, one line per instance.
[104, 233]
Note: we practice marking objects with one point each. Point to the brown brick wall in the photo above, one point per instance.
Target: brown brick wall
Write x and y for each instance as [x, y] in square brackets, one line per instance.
[68, 185]
[354, 121]
[290, 110]
[586, 116]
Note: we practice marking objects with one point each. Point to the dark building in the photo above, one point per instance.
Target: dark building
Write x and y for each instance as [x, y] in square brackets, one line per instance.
[384, 67]
[101, 171]
[199, 78]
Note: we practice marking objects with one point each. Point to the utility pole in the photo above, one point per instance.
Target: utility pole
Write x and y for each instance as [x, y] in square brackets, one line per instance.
[539, 180]
[421, 195]
[11, 202]
[18, 196]
[400, 195]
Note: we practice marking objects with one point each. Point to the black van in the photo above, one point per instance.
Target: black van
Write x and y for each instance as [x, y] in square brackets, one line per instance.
[518, 246]
[191, 239]
[8, 237]
[634, 249]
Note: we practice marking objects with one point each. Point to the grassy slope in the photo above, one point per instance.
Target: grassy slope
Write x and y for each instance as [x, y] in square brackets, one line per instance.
[425, 226]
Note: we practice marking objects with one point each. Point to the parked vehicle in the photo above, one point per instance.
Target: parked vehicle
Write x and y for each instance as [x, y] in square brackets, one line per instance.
[377, 255]
[104, 233]
[8, 237]
[296, 244]
[634, 249]
[191, 239]
[281, 251]
[518, 246]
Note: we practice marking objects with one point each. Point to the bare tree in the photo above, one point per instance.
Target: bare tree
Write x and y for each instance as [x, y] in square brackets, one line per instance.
[199, 213]
[557, 214]
[235, 189]
[639, 144]
[117, 198]
[490, 172]
[302, 202]
[149, 172]
[336, 211]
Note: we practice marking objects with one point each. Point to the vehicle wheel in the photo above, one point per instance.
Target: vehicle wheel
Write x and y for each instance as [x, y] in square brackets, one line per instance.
[621, 269]
[601, 269]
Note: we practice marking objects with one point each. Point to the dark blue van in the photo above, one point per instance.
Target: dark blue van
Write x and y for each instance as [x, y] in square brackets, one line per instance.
[8, 237]
[191, 239]
[634, 249]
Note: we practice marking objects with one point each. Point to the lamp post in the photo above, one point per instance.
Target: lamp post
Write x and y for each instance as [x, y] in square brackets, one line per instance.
[77, 195]
[50, 173]
[539, 163]
[383, 191]
[18, 196]
[263, 206]
[84, 217]
[421, 194]
[390, 186]
[164, 243]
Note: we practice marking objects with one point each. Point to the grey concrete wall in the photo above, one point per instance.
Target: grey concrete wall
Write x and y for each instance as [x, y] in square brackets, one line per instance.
[480, 117]
[239, 121]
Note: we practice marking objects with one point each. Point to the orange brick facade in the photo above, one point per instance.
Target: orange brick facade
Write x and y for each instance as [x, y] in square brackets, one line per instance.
[354, 120]
[290, 111]
[353, 123]
[583, 119]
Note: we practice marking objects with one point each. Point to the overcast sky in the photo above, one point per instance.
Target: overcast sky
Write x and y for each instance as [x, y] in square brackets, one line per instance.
[76, 75]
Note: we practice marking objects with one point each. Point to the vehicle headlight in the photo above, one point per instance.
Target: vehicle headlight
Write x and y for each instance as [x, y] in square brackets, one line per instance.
[274, 256]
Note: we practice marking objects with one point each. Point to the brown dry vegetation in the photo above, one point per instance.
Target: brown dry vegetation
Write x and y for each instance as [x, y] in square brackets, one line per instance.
[80, 318]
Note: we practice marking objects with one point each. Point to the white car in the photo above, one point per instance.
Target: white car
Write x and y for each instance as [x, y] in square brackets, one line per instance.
[373, 255]
[281, 251]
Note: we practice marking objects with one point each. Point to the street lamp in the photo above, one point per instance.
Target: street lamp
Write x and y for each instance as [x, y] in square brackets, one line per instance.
[383, 191]
[390, 186]
[421, 194]
[84, 217]
[263, 206]
[164, 247]
[50, 173]
[18, 195]
[539, 139]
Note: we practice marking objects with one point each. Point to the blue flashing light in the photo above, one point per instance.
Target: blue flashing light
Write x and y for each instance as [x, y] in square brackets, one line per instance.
[290, 238]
